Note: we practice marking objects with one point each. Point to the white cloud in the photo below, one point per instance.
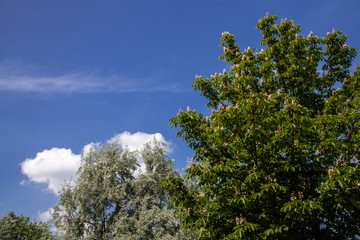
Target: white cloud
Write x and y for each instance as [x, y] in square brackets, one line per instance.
[65, 83]
[137, 140]
[56, 165]
[45, 216]
[23, 182]
[76, 82]
[88, 147]
[18, 77]
[52, 167]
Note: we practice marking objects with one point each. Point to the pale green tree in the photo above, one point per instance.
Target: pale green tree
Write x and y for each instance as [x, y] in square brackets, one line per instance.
[110, 200]
[278, 156]
[149, 215]
[88, 208]
[13, 227]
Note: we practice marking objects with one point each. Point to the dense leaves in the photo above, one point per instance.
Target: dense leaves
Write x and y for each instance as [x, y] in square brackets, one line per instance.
[13, 227]
[278, 156]
[109, 200]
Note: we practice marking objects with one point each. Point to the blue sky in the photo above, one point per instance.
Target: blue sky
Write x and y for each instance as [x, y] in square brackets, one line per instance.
[74, 73]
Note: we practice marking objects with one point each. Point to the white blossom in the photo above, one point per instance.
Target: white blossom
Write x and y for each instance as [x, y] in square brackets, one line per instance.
[221, 107]
[310, 34]
[286, 102]
[180, 111]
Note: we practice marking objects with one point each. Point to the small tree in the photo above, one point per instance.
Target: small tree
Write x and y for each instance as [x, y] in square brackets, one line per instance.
[278, 156]
[109, 202]
[14, 227]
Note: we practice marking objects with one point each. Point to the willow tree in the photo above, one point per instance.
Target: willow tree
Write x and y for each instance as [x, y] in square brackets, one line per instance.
[109, 200]
[278, 156]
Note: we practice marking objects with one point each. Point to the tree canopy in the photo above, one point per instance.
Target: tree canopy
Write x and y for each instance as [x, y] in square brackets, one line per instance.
[13, 227]
[278, 156]
[108, 201]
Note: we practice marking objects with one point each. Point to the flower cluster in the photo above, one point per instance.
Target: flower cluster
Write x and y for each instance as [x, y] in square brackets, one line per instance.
[221, 107]
[180, 111]
[279, 129]
[203, 211]
[240, 220]
[310, 34]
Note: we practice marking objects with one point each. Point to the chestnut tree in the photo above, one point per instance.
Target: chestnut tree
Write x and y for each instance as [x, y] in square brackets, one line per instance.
[278, 156]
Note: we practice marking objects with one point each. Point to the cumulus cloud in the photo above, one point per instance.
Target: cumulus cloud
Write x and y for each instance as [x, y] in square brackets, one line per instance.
[137, 140]
[52, 167]
[17, 77]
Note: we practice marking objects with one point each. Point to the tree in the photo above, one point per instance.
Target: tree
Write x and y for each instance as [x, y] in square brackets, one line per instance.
[278, 156]
[88, 208]
[14, 227]
[108, 201]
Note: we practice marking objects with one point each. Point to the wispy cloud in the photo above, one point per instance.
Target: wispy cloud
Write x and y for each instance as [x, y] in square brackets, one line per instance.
[20, 78]
[57, 165]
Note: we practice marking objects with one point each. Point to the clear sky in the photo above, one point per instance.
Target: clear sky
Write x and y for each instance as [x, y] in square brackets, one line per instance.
[73, 73]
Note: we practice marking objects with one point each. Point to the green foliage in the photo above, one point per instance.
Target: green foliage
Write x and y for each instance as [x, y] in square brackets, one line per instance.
[14, 227]
[108, 202]
[278, 157]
